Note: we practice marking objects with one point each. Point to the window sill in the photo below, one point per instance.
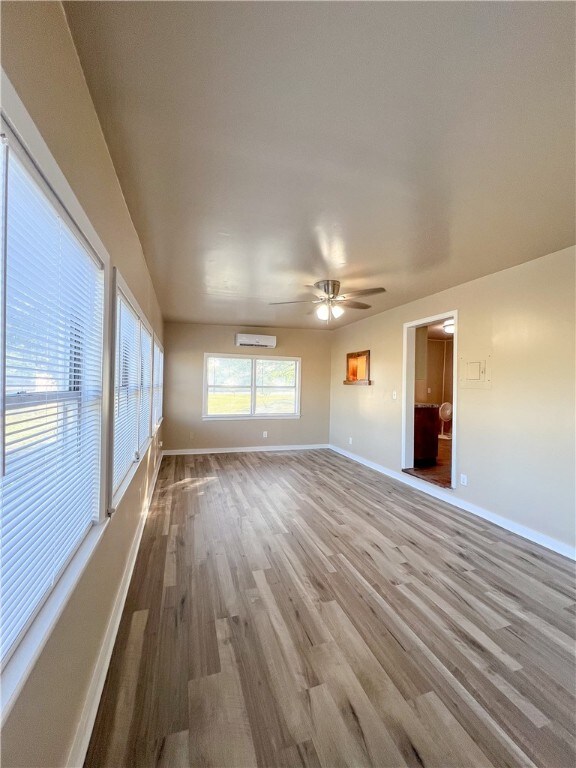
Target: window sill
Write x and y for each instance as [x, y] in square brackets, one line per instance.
[144, 450]
[259, 417]
[24, 657]
[122, 488]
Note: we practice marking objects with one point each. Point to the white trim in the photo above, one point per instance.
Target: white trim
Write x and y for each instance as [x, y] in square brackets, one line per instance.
[17, 147]
[250, 416]
[81, 740]
[156, 343]
[408, 379]
[24, 127]
[446, 495]
[122, 287]
[116, 497]
[253, 417]
[28, 143]
[26, 653]
[245, 449]
[20, 122]
[408, 398]
[30, 146]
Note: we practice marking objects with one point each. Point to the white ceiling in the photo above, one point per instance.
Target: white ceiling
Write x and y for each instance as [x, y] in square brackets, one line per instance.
[264, 146]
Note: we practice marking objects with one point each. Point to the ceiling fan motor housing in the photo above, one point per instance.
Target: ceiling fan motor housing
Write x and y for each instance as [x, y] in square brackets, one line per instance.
[330, 287]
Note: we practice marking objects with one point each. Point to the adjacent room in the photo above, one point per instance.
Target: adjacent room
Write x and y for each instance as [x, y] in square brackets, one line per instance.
[287, 384]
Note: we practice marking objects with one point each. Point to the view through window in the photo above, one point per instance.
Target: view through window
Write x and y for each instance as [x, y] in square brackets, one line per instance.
[244, 387]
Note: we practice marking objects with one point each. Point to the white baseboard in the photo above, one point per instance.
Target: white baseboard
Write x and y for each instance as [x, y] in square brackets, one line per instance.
[81, 741]
[152, 485]
[447, 495]
[244, 449]
[443, 494]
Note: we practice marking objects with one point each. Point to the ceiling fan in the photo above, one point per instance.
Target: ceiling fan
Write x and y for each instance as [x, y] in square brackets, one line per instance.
[333, 302]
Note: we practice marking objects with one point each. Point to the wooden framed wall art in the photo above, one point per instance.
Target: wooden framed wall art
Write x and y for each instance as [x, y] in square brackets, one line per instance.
[358, 368]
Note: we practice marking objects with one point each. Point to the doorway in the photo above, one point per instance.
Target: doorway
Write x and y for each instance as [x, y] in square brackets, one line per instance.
[429, 399]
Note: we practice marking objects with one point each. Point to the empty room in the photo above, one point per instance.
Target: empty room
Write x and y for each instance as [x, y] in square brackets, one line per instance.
[287, 384]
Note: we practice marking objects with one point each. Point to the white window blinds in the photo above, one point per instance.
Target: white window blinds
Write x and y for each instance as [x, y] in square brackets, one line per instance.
[126, 390]
[53, 336]
[158, 385]
[133, 388]
[144, 421]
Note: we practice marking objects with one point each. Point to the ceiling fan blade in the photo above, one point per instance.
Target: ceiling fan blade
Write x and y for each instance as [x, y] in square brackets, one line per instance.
[363, 292]
[352, 304]
[307, 301]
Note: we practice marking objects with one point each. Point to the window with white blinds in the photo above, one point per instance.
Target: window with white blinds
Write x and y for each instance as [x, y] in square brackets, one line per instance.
[126, 390]
[145, 417]
[133, 387]
[52, 396]
[158, 386]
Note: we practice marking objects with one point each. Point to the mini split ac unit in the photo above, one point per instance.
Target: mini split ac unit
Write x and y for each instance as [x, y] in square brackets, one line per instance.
[252, 340]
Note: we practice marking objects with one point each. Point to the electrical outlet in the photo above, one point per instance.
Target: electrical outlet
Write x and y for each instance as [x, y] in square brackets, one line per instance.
[160, 444]
[463, 479]
[349, 441]
[429, 390]
[394, 395]
[264, 434]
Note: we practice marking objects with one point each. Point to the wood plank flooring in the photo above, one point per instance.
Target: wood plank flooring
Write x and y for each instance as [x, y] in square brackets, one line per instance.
[298, 609]
[441, 472]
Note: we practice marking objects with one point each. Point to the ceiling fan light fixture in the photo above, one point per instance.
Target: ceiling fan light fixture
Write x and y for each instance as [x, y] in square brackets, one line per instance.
[448, 325]
[332, 304]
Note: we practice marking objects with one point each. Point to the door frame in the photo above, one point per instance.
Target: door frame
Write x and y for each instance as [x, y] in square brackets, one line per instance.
[408, 381]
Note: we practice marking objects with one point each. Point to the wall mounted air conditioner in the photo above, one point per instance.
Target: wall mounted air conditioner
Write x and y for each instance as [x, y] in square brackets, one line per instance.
[253, 340]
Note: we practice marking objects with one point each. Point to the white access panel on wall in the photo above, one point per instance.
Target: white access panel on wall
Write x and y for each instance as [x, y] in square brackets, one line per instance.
[475, 371]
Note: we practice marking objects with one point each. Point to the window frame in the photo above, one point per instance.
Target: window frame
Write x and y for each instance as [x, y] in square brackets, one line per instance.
[156, 343]
[253, 387]
[143, 446]
[120, 288]
[25, 141]
[48, 176]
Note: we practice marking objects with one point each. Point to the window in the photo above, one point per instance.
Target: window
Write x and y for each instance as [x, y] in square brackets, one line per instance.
[51, 393]
[126, 390]
[144, 419]
[132, 386]
[158, 385]
[237, 386]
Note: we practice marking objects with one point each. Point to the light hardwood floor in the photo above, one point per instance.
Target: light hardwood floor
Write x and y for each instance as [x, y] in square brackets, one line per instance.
[441, 472]
[298, 609]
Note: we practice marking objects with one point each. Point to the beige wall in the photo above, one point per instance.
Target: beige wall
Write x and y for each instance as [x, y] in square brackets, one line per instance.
[439, 371]
[434, 371]
[447, 395]
[184, 348]
[515, 441]
[39, 58]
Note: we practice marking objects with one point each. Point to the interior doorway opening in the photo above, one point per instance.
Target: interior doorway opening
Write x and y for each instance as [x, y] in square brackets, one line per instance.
[429, 412]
